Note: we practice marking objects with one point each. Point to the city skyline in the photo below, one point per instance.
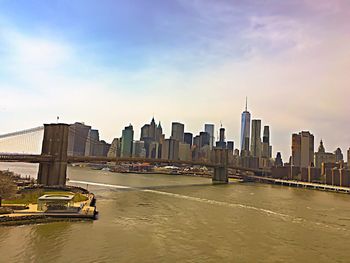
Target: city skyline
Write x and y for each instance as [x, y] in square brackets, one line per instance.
[195, 62]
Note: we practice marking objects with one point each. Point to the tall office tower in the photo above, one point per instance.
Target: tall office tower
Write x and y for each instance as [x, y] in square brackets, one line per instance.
[92, 143]
[188, 138]
[349, 158]
[209, 128]
[266, 150]
[278, 161]
[303, 149]
[177, 131]
[204, 139]
[77, 137]
[221, 143]
[255, 147]
[127, 139]
[159, 133]
[230, 145]
[245, 130]
[338, 155]
[150, 134]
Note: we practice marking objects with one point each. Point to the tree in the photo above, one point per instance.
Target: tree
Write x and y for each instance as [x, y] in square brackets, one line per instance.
[8, 188]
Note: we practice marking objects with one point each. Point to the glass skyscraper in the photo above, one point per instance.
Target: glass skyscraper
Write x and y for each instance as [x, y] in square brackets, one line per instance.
[245, 129]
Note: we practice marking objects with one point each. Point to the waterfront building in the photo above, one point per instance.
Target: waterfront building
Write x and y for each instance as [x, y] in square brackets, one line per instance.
[150, 134]
[349, 158]
[255, 148]
[321, 156]
[197, 141]
[245, 130]
[221, 143]
[303, 149]
[209, 128]
[266, 150]
[188, 138]
[170, 149]
[92, 142]
[204, 154]
[204, 139]
[230, 145]
[338, 155]
[127, 139]
[153, 150]
[177, 131]
[138, 149]
[278, 160]
[77, 138]
[185, 153]
[114, 150]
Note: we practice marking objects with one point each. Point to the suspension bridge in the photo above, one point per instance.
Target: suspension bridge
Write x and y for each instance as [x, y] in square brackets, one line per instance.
[48, 146]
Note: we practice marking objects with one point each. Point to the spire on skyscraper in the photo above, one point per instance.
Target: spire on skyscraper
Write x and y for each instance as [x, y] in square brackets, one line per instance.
[246, 103]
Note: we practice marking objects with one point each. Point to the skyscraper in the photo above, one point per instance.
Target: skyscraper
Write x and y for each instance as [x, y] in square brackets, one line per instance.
[151, 135]
[255, 147]
[221, 143]
[266, 148]
[127, 141]
[303, 149]
[245, 130]
[188, 138]
[204, 139]
[349, 158]
[177, 131]
[209, 128]
[77, 137]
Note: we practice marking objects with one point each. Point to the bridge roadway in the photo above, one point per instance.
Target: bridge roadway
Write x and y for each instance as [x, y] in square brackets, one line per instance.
[38, 158]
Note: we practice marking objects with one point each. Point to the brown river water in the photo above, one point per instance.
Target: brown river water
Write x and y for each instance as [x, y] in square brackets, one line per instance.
[171, 218]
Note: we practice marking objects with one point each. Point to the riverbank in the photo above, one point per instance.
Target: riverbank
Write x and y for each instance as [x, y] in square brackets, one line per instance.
[35, 219]
[56, 204]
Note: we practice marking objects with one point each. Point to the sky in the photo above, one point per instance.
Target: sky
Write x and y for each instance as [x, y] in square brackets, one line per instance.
[110, 63]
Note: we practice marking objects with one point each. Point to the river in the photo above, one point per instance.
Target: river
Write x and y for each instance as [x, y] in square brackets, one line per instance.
[170, 218]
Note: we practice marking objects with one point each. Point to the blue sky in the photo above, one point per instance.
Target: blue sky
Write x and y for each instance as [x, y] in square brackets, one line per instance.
[109, 63]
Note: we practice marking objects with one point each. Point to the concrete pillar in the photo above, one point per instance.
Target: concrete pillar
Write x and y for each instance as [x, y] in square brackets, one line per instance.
[220, 171]
[55, 143]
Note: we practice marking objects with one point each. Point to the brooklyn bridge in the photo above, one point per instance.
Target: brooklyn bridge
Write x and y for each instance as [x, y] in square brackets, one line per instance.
[54, 157]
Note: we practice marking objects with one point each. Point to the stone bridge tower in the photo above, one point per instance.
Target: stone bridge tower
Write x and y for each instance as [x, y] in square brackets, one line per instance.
[55, 143]
[221, 170]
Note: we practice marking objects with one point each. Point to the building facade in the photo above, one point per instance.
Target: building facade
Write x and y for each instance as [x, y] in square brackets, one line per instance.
[188, 138]
[77, 138]
[245, 131]
[177, 131]
[255, 148]
[127, 141]
[321, 156]
[303, 149]
[209, 128]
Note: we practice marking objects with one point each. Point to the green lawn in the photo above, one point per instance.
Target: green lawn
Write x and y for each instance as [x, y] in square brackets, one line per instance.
[32, 197]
